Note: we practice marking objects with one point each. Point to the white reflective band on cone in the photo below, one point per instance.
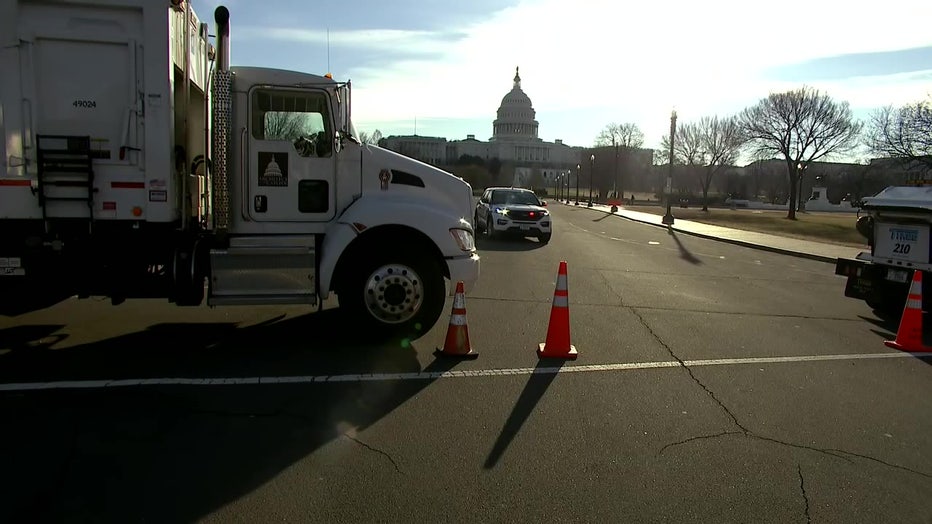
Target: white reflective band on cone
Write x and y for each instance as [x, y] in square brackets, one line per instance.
[459, 301]
[914, 303]
[458, 320]
[561, 282]
[559, 301]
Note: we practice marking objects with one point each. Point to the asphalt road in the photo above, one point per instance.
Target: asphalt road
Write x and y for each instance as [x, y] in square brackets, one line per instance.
[714, 383]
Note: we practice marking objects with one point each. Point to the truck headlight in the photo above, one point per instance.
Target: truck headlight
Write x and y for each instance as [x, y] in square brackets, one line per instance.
[464, 239]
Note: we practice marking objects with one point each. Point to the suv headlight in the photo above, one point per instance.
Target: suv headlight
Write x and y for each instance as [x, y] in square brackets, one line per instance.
[500, 211]
[464, 239]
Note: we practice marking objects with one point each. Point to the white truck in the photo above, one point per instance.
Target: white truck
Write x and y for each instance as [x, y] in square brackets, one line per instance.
[138, 163]
[897, 223]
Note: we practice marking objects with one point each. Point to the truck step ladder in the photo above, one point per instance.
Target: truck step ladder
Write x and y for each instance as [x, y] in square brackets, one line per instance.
[255, 270]
[65, 162]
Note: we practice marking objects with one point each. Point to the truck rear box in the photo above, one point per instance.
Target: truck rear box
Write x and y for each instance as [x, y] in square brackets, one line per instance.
[98, 71]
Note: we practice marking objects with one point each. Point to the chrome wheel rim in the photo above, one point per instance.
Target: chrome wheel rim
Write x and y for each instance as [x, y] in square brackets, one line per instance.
[394, 293]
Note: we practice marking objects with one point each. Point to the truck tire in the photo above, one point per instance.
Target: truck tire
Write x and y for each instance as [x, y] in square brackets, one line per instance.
[395, 295]
[887, 306]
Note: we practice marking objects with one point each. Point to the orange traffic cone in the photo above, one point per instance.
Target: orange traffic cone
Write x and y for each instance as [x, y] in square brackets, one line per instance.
[909, 334]
[457, 342]
[558, 332]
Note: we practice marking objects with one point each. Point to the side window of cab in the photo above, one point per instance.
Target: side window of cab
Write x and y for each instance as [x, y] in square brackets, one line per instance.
[300, 117]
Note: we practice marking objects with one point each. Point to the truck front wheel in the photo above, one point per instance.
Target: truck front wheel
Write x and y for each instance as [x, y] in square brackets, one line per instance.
[397, 295]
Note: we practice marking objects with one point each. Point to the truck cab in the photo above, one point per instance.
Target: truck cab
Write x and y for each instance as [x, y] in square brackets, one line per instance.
[139, 163]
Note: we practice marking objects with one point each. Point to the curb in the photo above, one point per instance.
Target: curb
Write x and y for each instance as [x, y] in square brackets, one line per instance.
[762, 247]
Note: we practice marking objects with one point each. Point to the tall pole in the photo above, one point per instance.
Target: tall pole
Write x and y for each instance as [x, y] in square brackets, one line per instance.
[577, 184]
[617, 187]
[617, 196]
[566, 194]
[668, 218]
[591, 172]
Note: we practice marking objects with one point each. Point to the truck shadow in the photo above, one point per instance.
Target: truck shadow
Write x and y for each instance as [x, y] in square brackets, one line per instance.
[118, 454]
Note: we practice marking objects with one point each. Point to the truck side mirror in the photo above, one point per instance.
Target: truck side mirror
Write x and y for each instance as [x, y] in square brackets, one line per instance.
[337, 141]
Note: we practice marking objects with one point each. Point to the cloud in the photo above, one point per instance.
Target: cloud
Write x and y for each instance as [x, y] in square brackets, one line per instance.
[397, 40]
[857, 64]
[593, 60]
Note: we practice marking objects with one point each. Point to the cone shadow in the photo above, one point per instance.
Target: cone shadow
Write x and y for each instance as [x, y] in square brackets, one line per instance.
[534, 390]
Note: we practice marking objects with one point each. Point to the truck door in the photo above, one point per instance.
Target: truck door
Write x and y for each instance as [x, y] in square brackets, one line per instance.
[292, 164]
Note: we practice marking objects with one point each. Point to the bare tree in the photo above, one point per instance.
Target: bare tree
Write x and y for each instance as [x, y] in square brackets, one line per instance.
[687, 148]
[801, 125]
[622, 135]
[286, 126]
[721, 140]
[366, 137]
[904, 133]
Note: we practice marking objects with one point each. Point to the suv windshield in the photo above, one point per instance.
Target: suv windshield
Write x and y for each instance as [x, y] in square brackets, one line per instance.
[514, 197]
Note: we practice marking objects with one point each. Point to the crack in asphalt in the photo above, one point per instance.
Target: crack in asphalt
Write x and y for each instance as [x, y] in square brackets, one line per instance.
[836, 453]
[377, 450]
[700, 437]
[288, 414]
[888, 464]
[802, 488]
[688, 370]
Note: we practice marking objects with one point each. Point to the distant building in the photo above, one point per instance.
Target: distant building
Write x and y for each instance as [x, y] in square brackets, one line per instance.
[514, 140]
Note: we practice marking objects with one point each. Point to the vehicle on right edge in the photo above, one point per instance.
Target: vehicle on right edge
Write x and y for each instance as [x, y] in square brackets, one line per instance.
[512, 211]
[897, 223]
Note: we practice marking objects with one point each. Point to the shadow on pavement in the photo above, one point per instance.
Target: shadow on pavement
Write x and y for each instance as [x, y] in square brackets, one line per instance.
[29, 301]
[314, 343]
[684, 253]
[537, 385]
[509, 244]
[178, 453]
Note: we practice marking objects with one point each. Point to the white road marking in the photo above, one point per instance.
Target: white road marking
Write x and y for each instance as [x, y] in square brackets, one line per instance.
[653, 242]
[371, 377]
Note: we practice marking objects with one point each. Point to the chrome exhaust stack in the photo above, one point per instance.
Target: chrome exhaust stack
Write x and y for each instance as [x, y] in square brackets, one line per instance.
[222, 105]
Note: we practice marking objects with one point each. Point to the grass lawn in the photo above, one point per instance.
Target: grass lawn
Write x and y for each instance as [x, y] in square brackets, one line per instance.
[836, 228]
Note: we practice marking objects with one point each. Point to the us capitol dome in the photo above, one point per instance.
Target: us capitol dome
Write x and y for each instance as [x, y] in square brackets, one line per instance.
[514, 140]
[516, 116]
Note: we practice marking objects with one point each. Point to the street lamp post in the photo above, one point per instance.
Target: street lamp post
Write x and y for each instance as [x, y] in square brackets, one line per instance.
[617, 197]
[566, 179]
[800, 173]
[577, 184]
[591, 167]
[668, 218]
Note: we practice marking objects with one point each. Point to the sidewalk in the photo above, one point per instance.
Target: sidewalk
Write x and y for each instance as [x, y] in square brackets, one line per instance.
[821, 251]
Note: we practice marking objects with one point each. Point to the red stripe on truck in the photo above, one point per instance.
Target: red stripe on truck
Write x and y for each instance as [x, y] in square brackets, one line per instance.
[18, 183]
[128, 185]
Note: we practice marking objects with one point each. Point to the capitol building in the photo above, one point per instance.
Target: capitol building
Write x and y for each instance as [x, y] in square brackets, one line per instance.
[514, 140]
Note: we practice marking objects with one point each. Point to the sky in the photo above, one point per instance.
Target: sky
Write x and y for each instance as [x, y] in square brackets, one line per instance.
[441, 67]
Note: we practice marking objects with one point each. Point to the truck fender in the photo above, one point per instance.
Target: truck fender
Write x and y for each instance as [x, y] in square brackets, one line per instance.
[370, 215]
